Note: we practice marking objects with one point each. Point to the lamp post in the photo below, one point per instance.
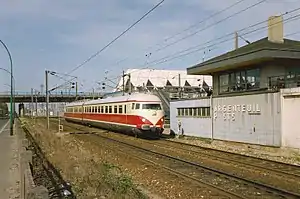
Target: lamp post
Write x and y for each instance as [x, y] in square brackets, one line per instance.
[11, 89]
[179, 84]
[12, 108]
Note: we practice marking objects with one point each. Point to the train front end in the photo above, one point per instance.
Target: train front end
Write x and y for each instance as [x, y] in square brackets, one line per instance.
[151, 119]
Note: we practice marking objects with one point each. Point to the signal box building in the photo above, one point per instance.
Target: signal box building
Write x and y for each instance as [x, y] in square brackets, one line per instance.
[256, 95]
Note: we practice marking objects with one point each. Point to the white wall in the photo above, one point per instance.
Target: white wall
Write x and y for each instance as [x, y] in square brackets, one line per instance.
[192, 126]
[291, 117]
[254, 119]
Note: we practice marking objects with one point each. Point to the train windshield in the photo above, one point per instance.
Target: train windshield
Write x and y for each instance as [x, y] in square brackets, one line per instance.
[151, 106]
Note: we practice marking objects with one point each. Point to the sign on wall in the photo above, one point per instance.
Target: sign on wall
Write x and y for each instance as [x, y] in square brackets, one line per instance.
[229, 112]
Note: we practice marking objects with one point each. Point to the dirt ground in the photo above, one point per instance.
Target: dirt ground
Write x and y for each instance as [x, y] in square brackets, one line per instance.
[79, 157]
[89, 175]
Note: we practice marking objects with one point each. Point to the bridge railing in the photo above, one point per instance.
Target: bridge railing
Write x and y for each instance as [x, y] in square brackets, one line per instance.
[53, 94]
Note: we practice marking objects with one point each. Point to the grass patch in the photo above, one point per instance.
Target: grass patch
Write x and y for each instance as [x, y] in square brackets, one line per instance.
[89, 174]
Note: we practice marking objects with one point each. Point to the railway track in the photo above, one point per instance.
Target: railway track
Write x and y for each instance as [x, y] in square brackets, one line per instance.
[264, 164]
[225, 183]
[252, 162]
[228, 183]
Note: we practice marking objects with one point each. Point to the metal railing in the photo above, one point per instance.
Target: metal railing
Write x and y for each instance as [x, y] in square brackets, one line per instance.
[56, 94]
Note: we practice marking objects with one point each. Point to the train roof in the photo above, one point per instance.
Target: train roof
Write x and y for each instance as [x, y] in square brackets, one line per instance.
[132, 97]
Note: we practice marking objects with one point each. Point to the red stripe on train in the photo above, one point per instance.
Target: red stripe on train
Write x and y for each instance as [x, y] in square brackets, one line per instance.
[115, 118]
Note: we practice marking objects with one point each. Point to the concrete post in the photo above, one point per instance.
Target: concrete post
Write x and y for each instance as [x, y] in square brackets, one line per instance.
[47, 99]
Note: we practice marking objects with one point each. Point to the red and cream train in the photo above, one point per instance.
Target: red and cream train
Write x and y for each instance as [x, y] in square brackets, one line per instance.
[135, 114]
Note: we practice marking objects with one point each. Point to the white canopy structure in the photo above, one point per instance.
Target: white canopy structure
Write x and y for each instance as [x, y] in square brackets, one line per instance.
[162, 78]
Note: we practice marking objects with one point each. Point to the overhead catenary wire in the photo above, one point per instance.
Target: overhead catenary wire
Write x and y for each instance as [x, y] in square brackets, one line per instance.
[211, 25]
[115, 39]
[178, 54]
[164, 60]
[202, 21]
[194, 25]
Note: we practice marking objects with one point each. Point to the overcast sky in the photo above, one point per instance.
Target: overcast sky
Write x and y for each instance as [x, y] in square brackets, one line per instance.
[60, 34]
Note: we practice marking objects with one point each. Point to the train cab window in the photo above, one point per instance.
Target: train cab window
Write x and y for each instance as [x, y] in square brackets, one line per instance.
[132, 106]
[151, 106]
[137, 106]
[120, 109]
[115, 109]
[110, 109]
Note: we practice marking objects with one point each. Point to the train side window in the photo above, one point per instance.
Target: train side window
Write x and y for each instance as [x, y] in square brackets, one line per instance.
[120, 109]
[110, 109]
[90, 109]
[137, 106]
[132, 106]
[102, 109]
[115, 109]
[106, 109]
[99, 109]
[125, 108]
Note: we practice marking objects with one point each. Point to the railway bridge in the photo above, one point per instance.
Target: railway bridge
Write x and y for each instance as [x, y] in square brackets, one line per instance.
[25, 97]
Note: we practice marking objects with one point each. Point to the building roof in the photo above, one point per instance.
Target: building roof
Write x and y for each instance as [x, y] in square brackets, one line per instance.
[260, 50]
[162, 78]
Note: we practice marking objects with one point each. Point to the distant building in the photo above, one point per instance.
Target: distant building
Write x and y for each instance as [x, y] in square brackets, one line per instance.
[170, 80]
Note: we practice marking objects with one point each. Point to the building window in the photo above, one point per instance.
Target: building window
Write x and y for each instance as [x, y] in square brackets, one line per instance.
[186, 112]
[190, 112]
[178, 112]
[193, 112]
[242, 80]
[224, 83]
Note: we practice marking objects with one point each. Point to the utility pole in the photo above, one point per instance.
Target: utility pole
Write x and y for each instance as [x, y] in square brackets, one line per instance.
[36, 99]
[179, 83]
[31, 105]
[76, 89]
[129, 81]
[236, 45]
[47, 98]
[123, 76]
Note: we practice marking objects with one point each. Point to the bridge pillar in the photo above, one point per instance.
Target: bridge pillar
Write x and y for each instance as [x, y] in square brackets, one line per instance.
[21, 110]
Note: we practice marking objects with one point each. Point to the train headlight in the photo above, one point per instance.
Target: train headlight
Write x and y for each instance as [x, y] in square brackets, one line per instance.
[162, 119]
[143, 120]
